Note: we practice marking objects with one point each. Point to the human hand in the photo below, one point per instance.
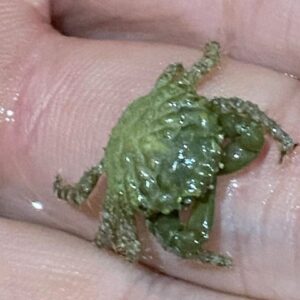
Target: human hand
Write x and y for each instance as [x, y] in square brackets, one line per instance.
[66, 93]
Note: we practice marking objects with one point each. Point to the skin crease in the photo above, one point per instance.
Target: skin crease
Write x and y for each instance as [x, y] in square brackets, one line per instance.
[67, 93]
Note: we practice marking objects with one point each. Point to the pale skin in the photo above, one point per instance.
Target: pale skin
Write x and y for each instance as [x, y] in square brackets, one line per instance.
[70, 93]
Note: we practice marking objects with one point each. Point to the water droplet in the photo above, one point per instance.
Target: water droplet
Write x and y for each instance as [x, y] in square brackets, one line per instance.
[6, 114]
[16, 97]
[236, 155]
[9, 113]
[291, 76]
[147, 257]
[271, 188]
[234, 184]
[37, 205]
[187, 201]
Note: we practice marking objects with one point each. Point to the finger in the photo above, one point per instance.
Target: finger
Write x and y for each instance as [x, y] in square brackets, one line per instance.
[76, 92]
[262, 32]
[39, 263]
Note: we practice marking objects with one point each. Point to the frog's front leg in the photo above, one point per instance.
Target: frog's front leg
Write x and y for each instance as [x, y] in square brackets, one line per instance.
[176, 72]
[209, 60]
[172, 73]
[79, 192]
[244, 139]
[186, 239]
[238, 106]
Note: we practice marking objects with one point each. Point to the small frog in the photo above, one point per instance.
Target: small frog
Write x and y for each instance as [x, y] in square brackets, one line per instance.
[163, 159]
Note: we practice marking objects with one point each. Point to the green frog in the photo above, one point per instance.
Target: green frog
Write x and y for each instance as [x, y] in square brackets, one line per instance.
[164, 157]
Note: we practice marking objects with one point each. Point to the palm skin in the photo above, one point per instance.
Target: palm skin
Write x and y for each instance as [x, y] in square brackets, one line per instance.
[51, 80]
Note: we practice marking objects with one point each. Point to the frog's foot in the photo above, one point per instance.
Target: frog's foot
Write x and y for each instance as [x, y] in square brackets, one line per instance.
[186, 239]
[123, 243]
[79, 192]
[240, 107]
[183, 241]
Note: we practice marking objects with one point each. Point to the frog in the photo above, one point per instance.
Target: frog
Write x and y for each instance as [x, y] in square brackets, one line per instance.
[163, 160]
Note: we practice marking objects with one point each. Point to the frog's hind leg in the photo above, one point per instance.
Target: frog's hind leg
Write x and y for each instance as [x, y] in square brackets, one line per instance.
[186, 239]
[118, 229]
[239, 107]
[79, 192]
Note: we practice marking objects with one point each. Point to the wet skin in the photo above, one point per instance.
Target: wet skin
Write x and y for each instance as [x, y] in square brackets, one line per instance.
[61, 82]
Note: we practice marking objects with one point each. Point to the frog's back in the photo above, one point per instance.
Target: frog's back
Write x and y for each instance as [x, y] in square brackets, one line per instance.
[144, 116]
[153, 144]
